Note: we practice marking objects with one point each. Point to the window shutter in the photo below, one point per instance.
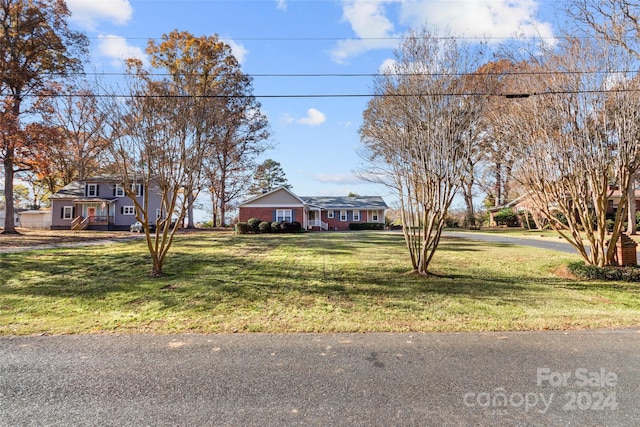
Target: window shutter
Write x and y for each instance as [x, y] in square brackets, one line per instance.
[86, 190]
[114, 190]
[275, 215]
[121, 209]
[141, 190]
[73, 212]
[293, 215]
[62, 212]
[97, 190]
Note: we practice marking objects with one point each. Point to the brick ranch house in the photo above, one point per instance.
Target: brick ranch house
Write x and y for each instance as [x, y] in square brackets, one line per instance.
[314, 213]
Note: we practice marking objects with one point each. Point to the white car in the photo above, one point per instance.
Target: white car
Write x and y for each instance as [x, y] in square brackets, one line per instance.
[137, 227]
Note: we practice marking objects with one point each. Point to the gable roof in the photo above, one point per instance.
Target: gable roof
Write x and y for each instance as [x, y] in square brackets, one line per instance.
[284, 197]
[281, 196]
[346, 202]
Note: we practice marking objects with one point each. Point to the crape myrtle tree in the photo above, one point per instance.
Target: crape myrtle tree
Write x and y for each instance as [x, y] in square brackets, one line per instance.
[419, 131]
[160, 134]
[616, 21]
[576, 139]
[36, 47]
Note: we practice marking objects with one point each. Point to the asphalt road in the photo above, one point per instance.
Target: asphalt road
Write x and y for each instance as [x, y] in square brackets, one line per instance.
[441, 379]
[555, 244]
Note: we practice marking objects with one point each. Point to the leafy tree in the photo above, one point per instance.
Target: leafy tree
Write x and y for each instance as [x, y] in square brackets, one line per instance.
[268, 176]
[165, 130]
[36, 46]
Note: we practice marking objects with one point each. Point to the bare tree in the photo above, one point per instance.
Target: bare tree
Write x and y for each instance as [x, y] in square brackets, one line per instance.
[576, 140]
[420, 129]
[73, 111]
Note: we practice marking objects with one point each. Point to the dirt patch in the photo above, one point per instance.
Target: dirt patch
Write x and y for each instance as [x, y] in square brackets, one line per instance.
[563, 272]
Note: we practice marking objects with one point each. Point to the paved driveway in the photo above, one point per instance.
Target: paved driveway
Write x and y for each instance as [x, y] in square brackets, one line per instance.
[441, 379]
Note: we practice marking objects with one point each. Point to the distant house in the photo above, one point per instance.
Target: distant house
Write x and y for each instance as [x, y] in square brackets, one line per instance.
[99, 203]
[16, 217]
[314, 213]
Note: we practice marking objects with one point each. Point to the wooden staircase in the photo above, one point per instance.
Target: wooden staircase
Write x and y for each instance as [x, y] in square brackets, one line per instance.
[80, 223]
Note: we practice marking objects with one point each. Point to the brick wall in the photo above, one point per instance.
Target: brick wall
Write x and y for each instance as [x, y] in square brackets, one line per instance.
[267, 214]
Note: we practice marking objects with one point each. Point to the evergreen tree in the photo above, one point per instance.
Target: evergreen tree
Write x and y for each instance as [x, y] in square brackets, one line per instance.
[269, 175]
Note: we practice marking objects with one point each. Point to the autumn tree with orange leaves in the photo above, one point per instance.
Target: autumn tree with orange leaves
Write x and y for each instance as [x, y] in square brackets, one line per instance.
[36, 47]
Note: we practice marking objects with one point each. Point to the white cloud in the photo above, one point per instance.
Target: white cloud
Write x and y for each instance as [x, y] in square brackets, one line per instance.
[478, 18]
[374, 29]
[281, 4]
[337, 178]
[238, 50]
[117, 49]
[314, 118]
[87, 13]
[388, 66]
[287, 119]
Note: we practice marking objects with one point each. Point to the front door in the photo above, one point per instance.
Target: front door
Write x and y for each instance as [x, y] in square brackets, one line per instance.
[91, 213]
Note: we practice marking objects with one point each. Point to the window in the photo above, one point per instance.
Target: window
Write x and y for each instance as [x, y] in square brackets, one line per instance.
[119, 192]
[374, 216]
[92, 190]
[329, 214]
[158, 213]
[356, 215]
[343, 215]
[128, 210]
[284, 215]
[67, 212]
[138, 188]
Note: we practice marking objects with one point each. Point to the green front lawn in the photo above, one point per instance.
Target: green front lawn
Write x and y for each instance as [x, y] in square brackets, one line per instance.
[356, 281]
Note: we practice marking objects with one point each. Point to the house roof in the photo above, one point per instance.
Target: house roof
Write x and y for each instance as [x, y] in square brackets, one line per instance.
[274, 197]
[282, 196]
[345, 202]
[74, 189]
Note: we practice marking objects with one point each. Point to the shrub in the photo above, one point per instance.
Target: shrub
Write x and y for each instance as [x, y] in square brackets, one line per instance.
[275, 227]
[451, 222]
[264, 227]
[253, 224]
[366, 226]
[506, 217]
[242, 228]
[585, 271]
[291, 227]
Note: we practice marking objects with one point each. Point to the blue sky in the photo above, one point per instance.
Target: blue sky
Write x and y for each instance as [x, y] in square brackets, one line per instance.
[316, 139]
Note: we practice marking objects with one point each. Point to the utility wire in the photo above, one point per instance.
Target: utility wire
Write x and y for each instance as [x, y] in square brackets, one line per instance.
[344, 95]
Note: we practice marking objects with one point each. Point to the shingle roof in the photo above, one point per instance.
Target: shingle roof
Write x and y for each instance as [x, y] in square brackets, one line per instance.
[73, 189]
[345, 202]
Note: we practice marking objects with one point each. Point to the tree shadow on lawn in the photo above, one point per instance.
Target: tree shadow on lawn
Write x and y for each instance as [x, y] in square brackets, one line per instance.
[243, 277]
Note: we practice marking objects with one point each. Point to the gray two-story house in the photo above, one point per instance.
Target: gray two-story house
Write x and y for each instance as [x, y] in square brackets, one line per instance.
[100, 203]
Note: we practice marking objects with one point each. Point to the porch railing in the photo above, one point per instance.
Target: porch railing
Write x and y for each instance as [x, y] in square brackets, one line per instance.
[318, 223]
[79, 223]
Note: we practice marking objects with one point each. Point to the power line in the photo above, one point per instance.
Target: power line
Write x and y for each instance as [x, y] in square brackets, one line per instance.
[369, 75]
[343, 95]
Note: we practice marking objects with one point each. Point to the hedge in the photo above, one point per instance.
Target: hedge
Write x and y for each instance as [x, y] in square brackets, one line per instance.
[366, 226]
[623, 274]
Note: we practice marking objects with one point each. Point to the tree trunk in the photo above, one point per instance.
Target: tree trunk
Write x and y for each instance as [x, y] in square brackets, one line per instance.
[632, 227]
[190, 223]
[9, 221]
[498, 187]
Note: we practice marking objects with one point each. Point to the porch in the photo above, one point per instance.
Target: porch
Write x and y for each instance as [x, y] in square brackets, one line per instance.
[94, 222]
